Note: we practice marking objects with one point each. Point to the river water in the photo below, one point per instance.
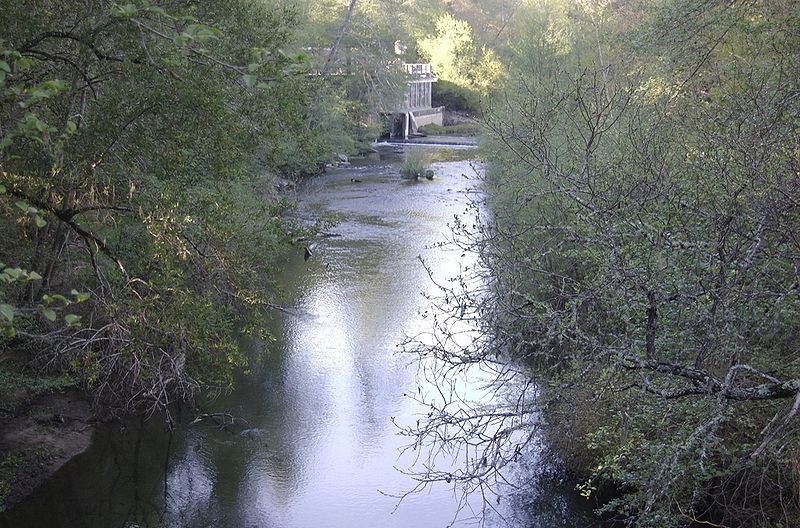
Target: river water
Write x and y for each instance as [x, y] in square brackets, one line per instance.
[320, 446]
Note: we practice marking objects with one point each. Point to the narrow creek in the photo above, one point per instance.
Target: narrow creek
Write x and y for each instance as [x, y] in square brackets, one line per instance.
[320, 448]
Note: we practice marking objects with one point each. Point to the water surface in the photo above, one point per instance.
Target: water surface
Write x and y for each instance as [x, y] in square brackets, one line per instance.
[320, 446]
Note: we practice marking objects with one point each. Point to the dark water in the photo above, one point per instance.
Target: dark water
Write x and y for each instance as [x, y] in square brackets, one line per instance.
[320, 448]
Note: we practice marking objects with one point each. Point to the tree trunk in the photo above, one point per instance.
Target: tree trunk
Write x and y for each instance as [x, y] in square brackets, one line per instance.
[342, 31]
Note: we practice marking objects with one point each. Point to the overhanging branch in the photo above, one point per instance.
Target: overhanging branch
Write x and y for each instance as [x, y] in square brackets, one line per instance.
[706, 384]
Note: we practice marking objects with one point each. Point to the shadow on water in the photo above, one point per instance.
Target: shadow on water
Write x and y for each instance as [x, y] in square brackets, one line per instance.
[125, 460]
[318, 445]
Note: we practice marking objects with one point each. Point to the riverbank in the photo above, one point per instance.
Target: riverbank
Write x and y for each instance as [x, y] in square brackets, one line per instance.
[38, 438]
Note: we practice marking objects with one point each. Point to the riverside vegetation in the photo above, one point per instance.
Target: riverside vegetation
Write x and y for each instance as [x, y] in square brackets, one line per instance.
[637, 290]
[142, 149]
[638, 299]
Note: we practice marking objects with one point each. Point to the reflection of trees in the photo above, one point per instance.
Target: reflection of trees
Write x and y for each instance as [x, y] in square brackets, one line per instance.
[269, 459]
[358, 307]
[119, 479]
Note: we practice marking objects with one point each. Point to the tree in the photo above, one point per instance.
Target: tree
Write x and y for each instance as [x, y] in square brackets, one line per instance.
[454, 56]
[351, 48]
[132, 153]
[637, 282]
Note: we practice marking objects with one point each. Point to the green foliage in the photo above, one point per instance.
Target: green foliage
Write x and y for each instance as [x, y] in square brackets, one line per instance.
[138, 157]
[416, 166]
[455, 57]
[462, 129]
[49, 305]
[455, 97]
[644, 193]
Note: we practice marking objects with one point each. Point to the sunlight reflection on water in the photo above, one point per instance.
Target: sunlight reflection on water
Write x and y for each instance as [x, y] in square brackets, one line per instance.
[320, 448]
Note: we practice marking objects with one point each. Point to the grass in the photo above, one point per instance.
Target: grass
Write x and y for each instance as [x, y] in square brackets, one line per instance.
[18, 388]
[461, 129]
[416, 166]
[18, 462]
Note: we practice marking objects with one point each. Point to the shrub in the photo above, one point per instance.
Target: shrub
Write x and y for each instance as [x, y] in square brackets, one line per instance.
[455, 97]
[416, 167]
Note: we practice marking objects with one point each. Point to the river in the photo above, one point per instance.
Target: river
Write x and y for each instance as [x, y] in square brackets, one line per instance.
[320, 446]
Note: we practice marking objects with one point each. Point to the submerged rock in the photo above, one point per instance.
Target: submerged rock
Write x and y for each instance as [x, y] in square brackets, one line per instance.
[252, 433]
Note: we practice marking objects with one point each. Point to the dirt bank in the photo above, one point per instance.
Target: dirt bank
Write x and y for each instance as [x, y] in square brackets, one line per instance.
[37, 440]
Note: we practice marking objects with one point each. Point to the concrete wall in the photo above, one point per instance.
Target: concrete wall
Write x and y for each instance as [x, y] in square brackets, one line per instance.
[429, 116]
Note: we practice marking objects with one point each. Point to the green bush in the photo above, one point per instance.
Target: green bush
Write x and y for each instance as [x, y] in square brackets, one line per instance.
[416, 167]
[455, 97]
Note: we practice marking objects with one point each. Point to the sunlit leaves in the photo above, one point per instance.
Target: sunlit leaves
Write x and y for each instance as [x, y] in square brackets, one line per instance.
[55, 298]
[31, 211]
[124, 10]
[48, 308]
[7, 312]
[72, 320]
[9, 275]
[31, 125]
[80, 296]
[455, 56]
[53, 303]
[38, 93]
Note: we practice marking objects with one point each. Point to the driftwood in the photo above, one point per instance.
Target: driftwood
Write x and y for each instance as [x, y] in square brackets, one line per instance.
[224, 421]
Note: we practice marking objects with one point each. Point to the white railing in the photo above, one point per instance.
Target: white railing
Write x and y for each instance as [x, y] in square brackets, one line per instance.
[419, 70]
